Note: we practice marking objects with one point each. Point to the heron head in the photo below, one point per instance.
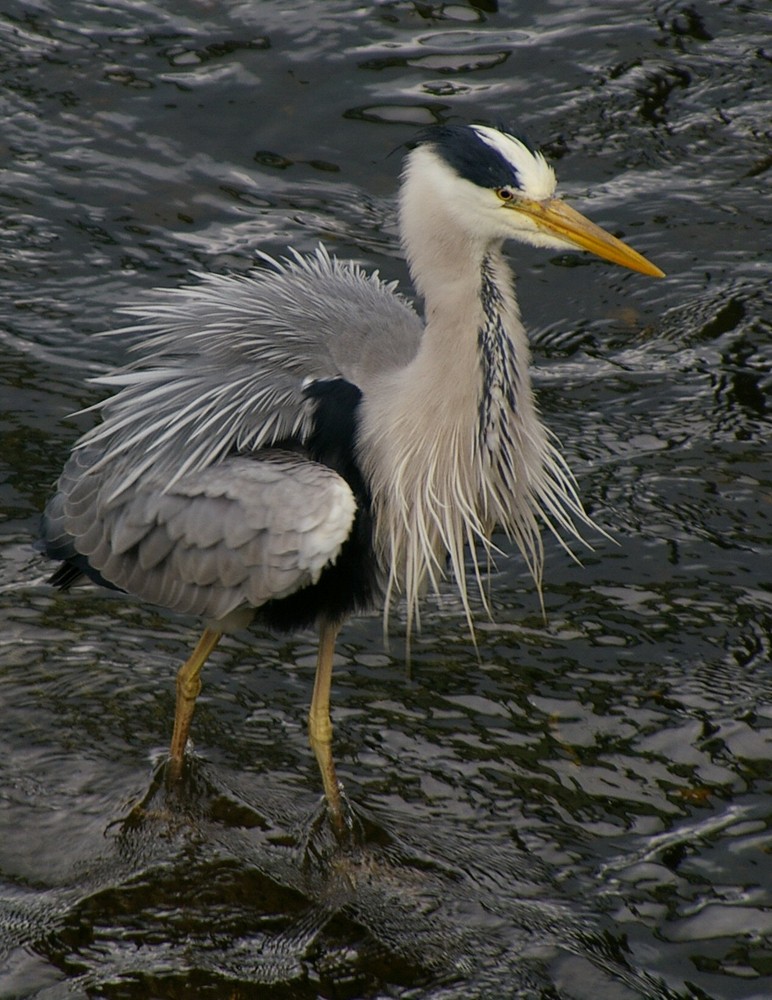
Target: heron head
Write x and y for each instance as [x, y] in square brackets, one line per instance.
[497, 186]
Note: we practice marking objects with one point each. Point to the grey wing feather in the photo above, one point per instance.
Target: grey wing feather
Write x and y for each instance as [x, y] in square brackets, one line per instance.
[236, 535]
[223, 363]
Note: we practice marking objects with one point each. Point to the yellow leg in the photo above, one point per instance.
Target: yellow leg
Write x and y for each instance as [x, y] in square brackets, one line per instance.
[320, 726]
[188, 689]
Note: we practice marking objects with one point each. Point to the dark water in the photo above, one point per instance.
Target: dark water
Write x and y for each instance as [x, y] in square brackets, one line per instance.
[578, 809]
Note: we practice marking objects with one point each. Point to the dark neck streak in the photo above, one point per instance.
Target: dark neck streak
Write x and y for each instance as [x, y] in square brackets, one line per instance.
[498, 405]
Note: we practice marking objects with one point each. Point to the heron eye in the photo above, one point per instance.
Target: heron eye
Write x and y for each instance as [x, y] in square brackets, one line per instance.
[505, 193]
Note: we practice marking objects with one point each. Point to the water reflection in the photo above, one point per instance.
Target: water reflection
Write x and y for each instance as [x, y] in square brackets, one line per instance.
[217, 890]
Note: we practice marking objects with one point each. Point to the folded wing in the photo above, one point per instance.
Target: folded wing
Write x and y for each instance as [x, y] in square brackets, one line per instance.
[237, 534]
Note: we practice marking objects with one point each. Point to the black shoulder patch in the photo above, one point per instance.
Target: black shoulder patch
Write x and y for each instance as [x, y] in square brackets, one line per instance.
[353, 581]
[333, 436]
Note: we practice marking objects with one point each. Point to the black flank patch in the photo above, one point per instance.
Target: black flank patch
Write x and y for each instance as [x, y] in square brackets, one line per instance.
[352, 583]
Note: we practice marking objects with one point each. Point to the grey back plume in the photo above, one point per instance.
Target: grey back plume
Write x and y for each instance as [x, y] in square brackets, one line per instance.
[224, 363]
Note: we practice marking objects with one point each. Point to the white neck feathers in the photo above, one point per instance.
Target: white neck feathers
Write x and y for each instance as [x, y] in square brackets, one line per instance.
[452, 444]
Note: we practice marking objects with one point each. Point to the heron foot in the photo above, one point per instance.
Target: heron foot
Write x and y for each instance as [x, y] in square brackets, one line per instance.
[175, 767]
[329, 833]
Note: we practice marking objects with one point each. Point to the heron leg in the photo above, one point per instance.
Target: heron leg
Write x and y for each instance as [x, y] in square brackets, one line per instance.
[188, 689]
[320, 725]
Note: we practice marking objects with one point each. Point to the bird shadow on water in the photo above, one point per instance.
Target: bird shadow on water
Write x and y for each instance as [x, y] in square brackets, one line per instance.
[207, 888]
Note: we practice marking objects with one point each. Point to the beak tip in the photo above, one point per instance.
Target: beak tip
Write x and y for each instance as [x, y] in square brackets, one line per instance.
[637, 262]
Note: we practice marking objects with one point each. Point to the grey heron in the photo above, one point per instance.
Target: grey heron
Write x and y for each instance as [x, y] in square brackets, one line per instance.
[294, 445]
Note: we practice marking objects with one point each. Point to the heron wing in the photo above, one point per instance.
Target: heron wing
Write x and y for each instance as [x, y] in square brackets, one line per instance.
[249, 530]
[224, 363]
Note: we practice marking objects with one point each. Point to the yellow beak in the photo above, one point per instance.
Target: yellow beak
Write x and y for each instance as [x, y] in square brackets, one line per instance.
[556, 217]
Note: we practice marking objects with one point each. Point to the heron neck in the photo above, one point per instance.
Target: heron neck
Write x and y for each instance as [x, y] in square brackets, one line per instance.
[453, 269]
[473, 341]
[432, 432]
